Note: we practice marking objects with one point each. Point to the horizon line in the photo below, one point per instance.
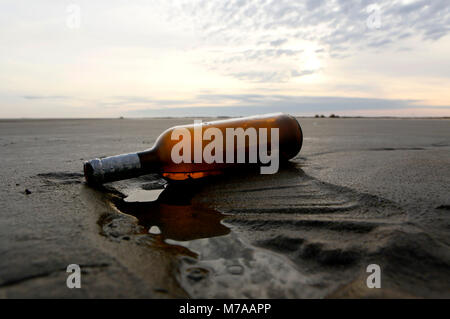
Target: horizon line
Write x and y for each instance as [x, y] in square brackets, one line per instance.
[217, 116]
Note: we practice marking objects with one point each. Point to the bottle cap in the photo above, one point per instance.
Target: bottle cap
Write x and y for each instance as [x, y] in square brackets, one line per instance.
[108, 169]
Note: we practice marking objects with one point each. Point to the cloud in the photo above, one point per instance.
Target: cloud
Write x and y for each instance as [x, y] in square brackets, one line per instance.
[331, 23]
[43, 97]
[295, 73]
[261, 77]
[271, 77]
[276, 34]
[277, 43]
[258, 65]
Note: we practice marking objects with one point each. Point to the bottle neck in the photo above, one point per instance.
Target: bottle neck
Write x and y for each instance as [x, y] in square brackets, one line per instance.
[113, 168]
[149, 160]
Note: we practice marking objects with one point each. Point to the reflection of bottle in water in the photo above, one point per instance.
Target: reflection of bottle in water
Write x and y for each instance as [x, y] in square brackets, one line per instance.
[173, 216]
[194, 151]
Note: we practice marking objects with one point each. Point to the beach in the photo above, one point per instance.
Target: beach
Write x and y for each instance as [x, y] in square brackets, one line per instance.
[361, 191]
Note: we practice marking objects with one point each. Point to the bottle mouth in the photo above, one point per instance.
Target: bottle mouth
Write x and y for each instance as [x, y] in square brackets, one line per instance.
[89, 173]
[93, 171]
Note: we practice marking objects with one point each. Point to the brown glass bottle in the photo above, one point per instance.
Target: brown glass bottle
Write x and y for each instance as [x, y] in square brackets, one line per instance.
[159, 159]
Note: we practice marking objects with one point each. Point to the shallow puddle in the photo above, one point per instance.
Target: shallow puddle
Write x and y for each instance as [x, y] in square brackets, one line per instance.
[216, 261]
[144, 196]
[169, 213]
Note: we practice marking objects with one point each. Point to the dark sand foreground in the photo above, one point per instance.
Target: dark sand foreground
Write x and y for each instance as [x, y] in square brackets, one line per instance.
[361, 191]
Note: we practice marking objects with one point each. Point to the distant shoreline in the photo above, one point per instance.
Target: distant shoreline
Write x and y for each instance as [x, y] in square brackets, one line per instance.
[218, 117]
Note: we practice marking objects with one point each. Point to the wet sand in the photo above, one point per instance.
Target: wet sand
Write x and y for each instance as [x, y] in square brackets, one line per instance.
[361, 191]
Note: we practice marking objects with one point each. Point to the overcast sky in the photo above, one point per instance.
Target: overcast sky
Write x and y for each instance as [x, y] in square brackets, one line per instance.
[128, 58]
